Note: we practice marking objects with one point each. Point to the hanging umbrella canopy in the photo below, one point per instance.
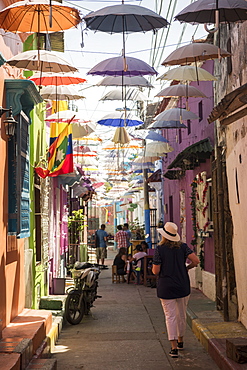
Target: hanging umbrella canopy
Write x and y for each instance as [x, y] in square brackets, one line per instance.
[118, 66]
[41, 60]
[166, 124]
[38, 16]
[56, 79]
[124, 18]
[121, 136]
[138, 81]
[62, 92]
[147, 134]
[175, 114]
[131, 94]
[203, 11]
[157, 148]
[188, 73]
[80, 129]
[67, 116]
[181, 90]
[118, 119]
[194, 52]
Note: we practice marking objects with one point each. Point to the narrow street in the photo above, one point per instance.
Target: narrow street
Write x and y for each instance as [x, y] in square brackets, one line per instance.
[126, 330]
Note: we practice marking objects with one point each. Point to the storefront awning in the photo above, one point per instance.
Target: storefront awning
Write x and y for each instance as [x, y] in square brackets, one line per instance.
[174, 174]
[231, 108]
[193, 155]
[155, 177]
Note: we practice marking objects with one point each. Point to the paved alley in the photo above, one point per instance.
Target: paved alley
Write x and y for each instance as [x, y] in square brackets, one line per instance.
[126, 330]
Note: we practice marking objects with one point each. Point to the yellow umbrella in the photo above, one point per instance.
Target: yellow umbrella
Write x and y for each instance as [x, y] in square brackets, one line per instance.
[188, 73]
[121, 136]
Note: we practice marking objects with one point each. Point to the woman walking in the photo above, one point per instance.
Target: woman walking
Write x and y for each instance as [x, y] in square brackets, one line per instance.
[173, 287]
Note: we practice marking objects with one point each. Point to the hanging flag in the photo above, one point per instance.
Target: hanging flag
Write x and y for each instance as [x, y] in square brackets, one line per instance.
[60, 155]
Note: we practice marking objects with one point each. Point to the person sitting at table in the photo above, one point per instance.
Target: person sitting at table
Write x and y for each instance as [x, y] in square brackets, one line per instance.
[120, 262]
[138, 258]
[144, 246]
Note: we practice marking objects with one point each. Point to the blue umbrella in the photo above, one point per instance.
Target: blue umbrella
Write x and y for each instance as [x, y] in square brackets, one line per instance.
[140, 170]
[120, 119]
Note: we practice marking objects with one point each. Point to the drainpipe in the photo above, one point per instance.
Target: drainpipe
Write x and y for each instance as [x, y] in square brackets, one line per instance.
[146, 208]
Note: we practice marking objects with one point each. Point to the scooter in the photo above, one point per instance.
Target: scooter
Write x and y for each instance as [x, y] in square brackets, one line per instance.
[84, 292]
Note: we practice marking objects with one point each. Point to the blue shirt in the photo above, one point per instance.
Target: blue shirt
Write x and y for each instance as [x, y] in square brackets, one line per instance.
[101, 235]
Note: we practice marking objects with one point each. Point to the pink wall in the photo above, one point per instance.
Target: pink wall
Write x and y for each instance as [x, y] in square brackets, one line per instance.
[199, 130]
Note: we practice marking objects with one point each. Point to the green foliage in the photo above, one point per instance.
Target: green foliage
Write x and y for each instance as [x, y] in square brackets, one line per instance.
[132, 207]
[136, 228]
[76, 217]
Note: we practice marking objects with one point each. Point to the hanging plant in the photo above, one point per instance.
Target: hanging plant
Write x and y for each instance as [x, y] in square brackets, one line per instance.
[193, 198]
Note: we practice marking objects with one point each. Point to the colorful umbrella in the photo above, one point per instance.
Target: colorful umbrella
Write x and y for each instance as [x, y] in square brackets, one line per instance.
[41, 61]
[62, 92]
[131, 94]
[181, 90]
[119, 66]
[204, 11]
[166, 124]
[139, 81]
[188, 73]
[194, 52]
[56, 79]
[39, 16]
[175, 114]
[124, 18]
[118, 119]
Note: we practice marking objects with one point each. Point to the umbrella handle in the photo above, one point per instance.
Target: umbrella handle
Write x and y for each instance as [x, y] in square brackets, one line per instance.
[217, 22]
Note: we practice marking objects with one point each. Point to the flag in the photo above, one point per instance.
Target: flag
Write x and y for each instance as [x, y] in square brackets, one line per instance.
[60, 155]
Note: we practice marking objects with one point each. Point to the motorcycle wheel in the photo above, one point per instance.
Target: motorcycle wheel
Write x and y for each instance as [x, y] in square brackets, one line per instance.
[73, 311]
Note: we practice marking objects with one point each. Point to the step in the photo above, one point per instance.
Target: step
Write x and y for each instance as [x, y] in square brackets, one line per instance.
[10, 361]
[52, 302]
[18, 345]
[30, 324]
[42, 364]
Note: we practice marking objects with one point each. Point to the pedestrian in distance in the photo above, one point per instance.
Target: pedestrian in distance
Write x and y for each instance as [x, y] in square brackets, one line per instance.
[126, 228]
[101, 246]
[120, 261]
[121, 237]
[173, 286]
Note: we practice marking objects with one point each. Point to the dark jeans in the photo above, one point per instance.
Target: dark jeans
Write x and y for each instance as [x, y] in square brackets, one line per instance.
[121, 271]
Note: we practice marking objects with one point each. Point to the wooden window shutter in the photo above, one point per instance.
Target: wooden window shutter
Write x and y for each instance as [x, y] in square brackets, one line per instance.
[19, 197]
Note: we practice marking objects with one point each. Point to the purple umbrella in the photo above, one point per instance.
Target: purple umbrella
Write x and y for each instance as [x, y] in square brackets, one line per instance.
[120, 66]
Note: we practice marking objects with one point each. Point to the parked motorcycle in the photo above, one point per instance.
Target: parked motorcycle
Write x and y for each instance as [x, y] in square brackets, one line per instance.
[84, 292]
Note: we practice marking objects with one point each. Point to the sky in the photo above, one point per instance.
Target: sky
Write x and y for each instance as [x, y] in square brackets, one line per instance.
[99, 46]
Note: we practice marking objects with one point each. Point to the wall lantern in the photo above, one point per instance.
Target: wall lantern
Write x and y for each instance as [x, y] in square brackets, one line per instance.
[10, 123]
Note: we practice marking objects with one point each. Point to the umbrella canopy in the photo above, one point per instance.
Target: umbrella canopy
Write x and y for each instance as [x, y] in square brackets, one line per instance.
[120, 119]
[181, 90]
[156, 137]
[139, 81]
[119, 66]
[131, 94]
[166, 124]
[188, 73]
[80, 129]
[47, 78]
[157, 148]
[194, 52]
[203, 11]
[67, 116]
[62, 92]
[121, 136]
[150, 135]
[143, 158]
[37, 16]
[41, 60]
[124, 18]
[175, 114]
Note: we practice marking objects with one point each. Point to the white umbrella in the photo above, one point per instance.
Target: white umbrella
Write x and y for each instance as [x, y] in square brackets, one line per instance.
[131, 94]
[175, 114]
[157, 148]
[139, 81]
[41, 60]
[188, 73]
[62, 92]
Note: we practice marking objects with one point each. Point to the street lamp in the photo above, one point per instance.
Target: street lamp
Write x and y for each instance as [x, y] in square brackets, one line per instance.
[9, 122]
